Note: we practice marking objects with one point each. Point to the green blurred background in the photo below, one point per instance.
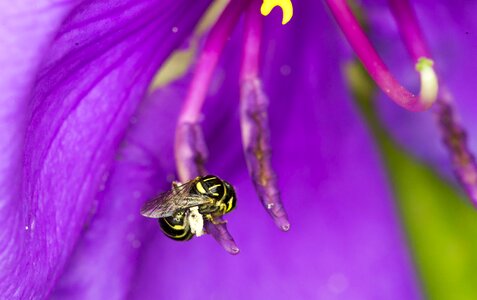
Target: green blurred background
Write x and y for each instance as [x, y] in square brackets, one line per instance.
[440, 223]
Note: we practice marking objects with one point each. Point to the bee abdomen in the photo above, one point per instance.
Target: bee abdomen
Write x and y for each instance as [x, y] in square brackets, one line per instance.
[176, 227]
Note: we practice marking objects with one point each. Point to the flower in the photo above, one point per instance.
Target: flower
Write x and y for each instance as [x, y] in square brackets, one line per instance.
[82, 159]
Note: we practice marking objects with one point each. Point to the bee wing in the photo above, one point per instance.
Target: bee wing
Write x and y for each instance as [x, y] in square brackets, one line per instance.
[166, 204]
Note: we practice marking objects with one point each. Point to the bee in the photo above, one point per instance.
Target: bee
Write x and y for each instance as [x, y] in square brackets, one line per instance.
[181, 211]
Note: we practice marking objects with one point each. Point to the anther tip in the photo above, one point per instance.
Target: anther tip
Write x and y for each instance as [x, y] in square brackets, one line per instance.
[429, 81]
[285, 227]
[282, 223]
[229, 246]
[234, 250]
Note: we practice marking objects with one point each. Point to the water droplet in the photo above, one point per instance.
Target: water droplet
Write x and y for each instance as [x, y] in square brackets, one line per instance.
[175, 29]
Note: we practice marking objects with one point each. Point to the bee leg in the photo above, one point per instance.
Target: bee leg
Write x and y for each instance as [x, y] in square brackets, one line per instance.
[217, 221]
[214, 221]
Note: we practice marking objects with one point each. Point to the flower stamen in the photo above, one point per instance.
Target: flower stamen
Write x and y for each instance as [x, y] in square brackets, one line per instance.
[455, 138]
[285, 5]
[453, 134]
[254, 123]
[256, 143]
[190, 146]
[376, 67]
[207, 62]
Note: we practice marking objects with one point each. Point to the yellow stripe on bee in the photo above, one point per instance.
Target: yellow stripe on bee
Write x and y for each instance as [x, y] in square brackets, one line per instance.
[176, 236]
[231, 201]
[211, 178]
[200, 188]
[213, 187]
[175, 227]
[225, 194]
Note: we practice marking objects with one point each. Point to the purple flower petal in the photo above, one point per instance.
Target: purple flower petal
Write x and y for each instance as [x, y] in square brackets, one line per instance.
[95, 72]
[105, 260]
[345, 241]
[25, 32]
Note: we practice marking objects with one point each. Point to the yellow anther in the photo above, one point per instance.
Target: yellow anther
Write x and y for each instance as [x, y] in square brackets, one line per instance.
[429, 82]
[285, 5]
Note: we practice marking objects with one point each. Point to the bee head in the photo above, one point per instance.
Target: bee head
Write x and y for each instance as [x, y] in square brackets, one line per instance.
[231, 199]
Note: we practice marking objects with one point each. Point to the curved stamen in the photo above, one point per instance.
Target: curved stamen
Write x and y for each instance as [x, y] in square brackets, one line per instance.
[413, 39]
[376, 67]
[429, 82]
[453, 135]
[190, 147]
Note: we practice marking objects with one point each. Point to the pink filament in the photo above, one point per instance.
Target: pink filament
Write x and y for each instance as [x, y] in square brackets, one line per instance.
[371, 60]
[409, 28]
[208, 60]
[252, 41]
